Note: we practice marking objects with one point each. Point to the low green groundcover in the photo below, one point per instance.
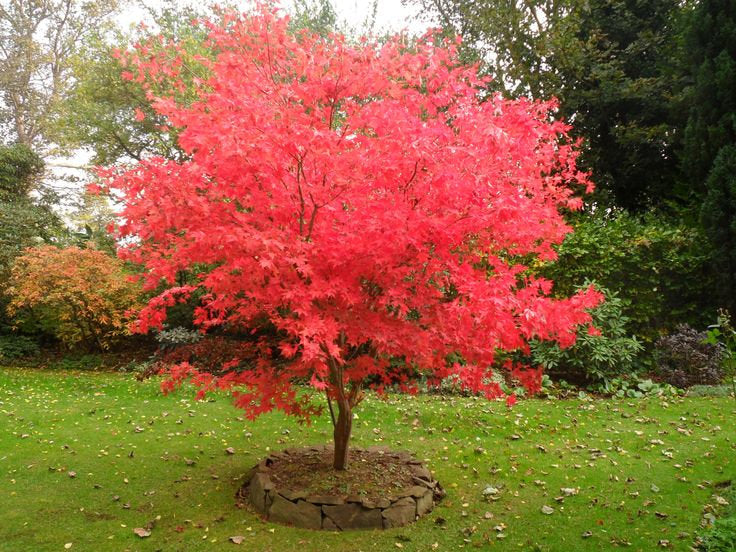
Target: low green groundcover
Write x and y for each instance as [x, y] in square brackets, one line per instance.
[90, 461]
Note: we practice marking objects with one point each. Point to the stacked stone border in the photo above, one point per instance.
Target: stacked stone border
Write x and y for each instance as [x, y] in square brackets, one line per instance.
[340, 513]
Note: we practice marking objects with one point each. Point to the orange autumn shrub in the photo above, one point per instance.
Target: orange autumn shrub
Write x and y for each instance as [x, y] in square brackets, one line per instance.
[82, 296]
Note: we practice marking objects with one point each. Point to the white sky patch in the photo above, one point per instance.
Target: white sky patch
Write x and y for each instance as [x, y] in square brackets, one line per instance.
[391, 15]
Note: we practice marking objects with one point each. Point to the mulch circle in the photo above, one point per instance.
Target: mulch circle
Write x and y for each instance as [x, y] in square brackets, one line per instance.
[379, 490]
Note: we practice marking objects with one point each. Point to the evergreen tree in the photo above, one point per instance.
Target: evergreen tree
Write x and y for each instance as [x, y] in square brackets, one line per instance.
[711, 47]
[709, 152]
[718, 215]
[617, 85]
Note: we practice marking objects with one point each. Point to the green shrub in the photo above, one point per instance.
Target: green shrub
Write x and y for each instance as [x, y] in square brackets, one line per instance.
[593, 358]
[718, 216]
[13, 347]
[659, 268]
[721, 536]
[724, 334]
[139, 368]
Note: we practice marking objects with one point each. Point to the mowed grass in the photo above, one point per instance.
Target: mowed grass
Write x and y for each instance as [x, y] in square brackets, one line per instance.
[644, 469]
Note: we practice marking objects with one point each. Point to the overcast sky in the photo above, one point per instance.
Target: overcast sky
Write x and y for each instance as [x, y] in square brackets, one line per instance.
[391, 15]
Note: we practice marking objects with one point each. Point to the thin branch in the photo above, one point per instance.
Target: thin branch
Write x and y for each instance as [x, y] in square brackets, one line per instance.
[412, 177]
[329, 405]
[299, 172]
[311, 219]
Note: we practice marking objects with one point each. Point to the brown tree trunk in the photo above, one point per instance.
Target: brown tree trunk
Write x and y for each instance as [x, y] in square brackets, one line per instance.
[346, 400]
[341, 433]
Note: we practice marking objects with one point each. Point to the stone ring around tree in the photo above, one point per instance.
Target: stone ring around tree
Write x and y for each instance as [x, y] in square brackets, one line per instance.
[381, 489]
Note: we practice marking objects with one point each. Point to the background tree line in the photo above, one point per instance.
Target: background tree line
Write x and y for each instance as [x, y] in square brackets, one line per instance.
[649, 87]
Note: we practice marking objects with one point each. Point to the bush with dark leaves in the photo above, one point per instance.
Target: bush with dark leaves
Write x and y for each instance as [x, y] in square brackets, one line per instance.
[14, 347]
[684, 358]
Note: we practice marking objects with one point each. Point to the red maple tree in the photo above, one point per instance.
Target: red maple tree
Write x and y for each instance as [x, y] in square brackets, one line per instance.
[371, 201]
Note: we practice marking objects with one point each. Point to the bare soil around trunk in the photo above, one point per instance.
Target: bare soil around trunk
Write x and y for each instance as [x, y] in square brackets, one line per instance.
[371, 474]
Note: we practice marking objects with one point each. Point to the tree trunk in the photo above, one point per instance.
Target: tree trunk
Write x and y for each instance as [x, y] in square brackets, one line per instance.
[343, 427]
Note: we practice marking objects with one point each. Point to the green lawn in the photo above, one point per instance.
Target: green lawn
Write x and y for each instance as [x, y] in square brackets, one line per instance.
[644, 469]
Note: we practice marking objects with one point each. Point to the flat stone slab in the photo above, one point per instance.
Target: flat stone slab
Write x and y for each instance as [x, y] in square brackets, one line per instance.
[292, 495]
[421, 472]
[354, 516]
[260, 484]
[329, 525]
[425, 503]
[416, 491]
[325, 499]
[400, 513]
[302, 514]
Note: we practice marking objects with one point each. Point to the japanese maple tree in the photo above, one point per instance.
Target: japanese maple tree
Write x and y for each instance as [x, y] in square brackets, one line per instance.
[370, 201]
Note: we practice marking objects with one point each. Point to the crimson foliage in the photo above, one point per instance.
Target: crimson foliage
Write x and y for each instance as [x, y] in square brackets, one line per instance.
[367, 200]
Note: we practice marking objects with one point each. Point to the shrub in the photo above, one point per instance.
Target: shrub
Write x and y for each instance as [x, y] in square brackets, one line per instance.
[659, 267]
[13, 347]
[721, 536]
[82, 296]
[718, 216]
[593, 358]
[684, 358]
[207, 354]
[724, 334]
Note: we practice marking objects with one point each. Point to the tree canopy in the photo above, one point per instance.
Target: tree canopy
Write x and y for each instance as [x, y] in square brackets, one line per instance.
[365, 200]
[37, 41]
